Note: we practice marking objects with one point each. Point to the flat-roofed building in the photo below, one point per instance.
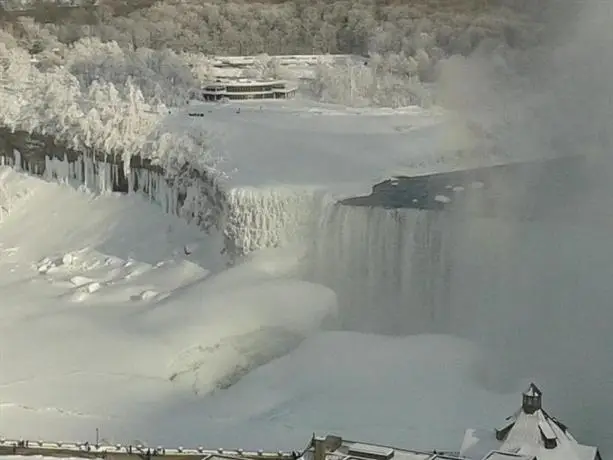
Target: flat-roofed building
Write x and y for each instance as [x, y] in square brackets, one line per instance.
[242, 89]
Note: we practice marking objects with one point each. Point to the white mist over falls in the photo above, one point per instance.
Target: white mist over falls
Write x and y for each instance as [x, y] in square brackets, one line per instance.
[535, 287]
[536, 291]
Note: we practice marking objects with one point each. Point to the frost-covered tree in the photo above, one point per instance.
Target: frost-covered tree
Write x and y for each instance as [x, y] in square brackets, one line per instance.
[115, 120]
[297, 26]
[160, 75]
[356, 84]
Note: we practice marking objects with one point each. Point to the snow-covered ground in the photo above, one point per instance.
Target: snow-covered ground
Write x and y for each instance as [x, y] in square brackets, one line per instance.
[100, 298]
[107, 323]
[303, 144]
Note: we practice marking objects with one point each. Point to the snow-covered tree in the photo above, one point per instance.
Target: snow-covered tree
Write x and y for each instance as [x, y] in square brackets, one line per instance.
[104, 117]
[356, 84]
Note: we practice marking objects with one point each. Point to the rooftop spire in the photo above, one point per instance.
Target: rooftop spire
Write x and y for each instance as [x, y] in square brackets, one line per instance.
[531, 399]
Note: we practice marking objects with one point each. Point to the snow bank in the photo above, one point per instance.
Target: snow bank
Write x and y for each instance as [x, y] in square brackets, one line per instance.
[420, 392]
[300, 144]
[116, 310]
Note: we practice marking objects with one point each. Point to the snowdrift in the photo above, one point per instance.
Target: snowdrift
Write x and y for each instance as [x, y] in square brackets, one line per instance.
[104, 316]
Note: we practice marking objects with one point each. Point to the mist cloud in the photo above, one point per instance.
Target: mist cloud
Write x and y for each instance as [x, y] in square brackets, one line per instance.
[539, 293]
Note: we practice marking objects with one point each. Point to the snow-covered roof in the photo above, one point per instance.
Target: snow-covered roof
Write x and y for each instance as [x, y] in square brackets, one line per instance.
[245, 82]
[534, 430]
[499, 455]
[351, 450]
[284, 59]
[533, 390]
[532, 434]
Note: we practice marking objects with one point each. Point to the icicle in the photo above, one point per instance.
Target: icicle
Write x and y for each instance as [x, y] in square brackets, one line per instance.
[17, 156]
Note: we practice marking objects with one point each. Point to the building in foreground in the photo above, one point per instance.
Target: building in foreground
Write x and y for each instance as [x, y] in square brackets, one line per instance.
[241, 89]
[529, 434]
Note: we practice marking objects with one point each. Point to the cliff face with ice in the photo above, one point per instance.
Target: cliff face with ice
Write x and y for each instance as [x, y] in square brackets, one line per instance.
[187, 193]
[248, 219]
[272, 217]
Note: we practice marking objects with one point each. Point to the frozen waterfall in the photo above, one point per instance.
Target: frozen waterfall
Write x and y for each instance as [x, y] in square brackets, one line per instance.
[389, 267]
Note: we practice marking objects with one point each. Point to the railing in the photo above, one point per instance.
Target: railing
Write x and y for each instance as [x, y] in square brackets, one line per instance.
[88, 450]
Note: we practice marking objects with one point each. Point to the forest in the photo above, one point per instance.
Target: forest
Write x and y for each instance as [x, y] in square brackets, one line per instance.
[290, 27]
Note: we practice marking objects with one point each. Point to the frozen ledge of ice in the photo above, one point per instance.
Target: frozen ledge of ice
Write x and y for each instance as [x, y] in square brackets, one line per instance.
[249, 219]
[187, 192]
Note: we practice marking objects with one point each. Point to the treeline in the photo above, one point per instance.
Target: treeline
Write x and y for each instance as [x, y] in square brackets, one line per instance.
[293, 27]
